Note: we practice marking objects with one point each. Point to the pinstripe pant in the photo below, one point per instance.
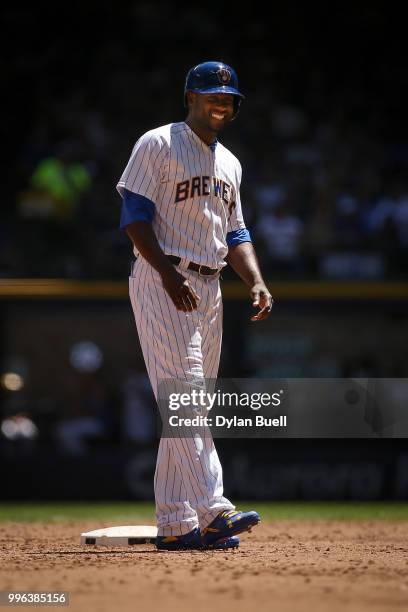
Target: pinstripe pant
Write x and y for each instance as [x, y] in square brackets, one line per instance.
[181, 346]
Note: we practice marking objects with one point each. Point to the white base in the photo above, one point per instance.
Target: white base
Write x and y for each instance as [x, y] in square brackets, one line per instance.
[126, 535]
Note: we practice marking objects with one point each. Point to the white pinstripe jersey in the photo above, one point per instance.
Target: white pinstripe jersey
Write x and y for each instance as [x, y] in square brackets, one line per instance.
[195, 191]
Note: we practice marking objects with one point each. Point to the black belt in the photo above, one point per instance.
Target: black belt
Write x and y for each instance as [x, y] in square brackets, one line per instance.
[204, 270]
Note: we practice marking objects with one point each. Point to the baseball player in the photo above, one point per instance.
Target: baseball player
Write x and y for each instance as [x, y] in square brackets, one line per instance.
[181, 209]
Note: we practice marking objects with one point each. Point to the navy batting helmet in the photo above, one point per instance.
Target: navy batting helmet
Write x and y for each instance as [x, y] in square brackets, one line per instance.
[213, 77]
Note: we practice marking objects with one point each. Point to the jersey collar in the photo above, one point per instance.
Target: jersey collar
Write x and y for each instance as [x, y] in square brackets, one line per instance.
[211, 146]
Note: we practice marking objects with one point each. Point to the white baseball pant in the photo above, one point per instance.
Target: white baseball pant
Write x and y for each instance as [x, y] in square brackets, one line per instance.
[182, 346]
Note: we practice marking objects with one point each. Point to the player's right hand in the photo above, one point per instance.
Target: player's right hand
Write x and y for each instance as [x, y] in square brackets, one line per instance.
[180, 291]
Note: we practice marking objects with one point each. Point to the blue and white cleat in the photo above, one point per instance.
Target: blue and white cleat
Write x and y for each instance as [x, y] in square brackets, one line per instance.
[223, 544]
[229, 523]
[194, 541]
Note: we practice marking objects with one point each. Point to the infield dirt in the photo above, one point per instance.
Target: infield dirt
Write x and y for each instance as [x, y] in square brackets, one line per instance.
[283, 566]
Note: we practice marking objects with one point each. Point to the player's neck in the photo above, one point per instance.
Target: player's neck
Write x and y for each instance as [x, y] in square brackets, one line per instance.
[207, 136]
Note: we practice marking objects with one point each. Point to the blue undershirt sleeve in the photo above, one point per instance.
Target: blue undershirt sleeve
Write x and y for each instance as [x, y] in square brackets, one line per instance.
[135, 207]
[238, 236]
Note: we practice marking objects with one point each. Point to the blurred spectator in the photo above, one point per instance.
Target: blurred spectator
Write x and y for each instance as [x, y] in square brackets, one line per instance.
[281, 233]
[347, 223]
[319, 231]
[391, 211]
[57, 185]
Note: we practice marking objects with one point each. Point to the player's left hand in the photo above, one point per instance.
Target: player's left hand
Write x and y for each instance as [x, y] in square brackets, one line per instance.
[262, 299]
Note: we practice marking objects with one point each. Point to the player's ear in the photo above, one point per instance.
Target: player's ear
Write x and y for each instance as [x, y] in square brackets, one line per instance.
[190, 98]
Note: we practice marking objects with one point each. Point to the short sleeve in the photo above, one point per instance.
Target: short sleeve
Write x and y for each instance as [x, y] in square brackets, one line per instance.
[142, 173]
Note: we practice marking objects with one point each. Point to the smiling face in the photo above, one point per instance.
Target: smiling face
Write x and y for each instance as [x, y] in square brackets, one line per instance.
[210, 112]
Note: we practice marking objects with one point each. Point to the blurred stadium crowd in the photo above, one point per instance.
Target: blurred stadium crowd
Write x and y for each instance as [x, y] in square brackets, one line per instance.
[325, 188]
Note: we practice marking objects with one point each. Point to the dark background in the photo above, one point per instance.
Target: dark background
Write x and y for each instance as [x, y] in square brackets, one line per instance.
[323, 143]
[321, 136]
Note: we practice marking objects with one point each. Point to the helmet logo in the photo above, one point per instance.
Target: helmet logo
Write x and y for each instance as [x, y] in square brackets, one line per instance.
[224, 76]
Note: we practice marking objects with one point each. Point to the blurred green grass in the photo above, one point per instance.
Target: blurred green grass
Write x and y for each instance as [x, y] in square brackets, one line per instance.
[129, 512]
